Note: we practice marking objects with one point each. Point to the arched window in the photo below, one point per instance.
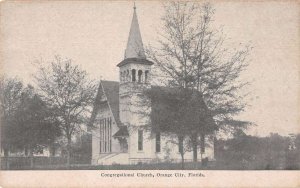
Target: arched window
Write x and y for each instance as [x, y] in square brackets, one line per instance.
[125, 77]
[140, 76]
[133, 75]
[121, 76]
[146, 76]
[128, 76]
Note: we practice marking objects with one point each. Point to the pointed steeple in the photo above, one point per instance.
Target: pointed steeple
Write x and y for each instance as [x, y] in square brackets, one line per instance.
[135, 47]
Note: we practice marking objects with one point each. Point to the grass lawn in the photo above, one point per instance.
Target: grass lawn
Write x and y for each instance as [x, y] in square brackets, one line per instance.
[160, 166]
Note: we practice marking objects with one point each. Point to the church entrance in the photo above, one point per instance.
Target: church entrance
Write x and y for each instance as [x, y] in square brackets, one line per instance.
[123, 144]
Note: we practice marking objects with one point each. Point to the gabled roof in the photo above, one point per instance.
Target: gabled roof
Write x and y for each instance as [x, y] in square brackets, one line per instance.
[96, 106]
[109, 89]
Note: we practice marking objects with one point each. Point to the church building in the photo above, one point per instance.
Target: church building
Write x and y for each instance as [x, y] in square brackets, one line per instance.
[118, 136]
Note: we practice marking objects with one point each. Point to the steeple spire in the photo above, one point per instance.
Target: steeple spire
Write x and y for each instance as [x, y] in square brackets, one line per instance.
[135, 47]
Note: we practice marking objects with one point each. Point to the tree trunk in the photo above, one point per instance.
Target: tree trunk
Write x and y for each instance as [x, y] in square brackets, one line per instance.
[181, 150]
[69, 151]
[31, 158]
[6, 152]
[202, 147]
[51, 154]
[7, 163]
[26, 151]
[182, 160]
[194, 143]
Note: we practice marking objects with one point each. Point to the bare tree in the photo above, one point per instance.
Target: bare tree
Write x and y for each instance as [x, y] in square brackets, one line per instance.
[69, 93]
[191, 54]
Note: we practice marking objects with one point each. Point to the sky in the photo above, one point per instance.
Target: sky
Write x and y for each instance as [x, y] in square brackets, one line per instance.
[94, 35]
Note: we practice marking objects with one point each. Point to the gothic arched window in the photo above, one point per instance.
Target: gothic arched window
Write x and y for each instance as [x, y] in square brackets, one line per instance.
[133, 75]
[140, 73]
[146, 76]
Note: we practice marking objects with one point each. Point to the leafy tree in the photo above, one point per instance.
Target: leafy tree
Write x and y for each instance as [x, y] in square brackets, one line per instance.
[293, 154]
[251, 152]
[83, 148]
[25, 120]
[178, 111]
[10, 96]
[36, 126]
[69, 94]
[191, 54]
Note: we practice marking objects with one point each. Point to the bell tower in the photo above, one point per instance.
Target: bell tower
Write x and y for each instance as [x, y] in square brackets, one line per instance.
[135, 76]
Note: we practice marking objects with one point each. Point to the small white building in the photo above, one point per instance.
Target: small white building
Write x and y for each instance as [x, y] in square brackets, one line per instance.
[118, 136]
